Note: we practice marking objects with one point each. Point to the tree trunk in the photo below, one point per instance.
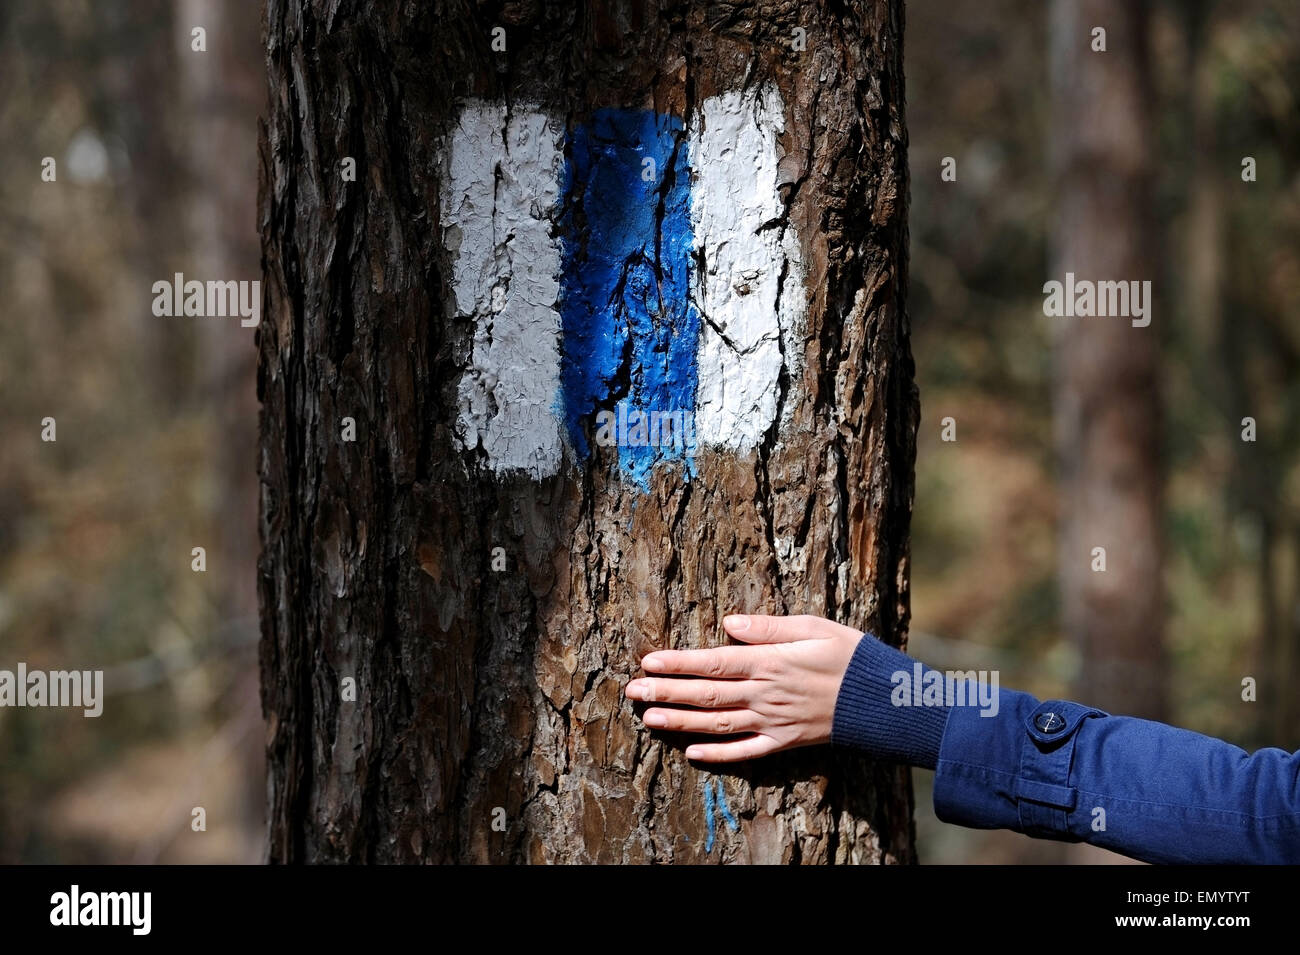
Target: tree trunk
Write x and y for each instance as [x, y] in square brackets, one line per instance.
[518, 229]
[224, 86]
[1107, 402]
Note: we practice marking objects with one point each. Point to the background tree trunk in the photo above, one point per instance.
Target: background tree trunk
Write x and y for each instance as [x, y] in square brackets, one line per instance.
[224, 85]
[1107, 401]
[479, 690]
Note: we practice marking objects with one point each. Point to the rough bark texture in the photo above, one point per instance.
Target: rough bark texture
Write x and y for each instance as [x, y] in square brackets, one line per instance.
[1107, 401]
[476, 689]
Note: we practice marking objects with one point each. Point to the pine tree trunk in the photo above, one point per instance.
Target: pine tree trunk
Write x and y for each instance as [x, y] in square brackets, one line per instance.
[1107, 399]
[489, 722]
[224, 85]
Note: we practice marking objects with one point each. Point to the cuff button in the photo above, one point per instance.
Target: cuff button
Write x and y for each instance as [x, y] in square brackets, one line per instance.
[1049, 722]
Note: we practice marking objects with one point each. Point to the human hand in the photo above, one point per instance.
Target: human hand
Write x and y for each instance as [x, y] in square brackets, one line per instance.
[780, 689]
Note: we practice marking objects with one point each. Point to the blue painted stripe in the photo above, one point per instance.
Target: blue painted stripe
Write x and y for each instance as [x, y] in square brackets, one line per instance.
[629, 330]
[708, 814]
[714, 804]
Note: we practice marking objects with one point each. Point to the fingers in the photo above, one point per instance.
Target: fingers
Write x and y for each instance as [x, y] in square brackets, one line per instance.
[718, 722]
[751, 747]
[724, 663]
[709, 694]
[734, 663]
[760, 628]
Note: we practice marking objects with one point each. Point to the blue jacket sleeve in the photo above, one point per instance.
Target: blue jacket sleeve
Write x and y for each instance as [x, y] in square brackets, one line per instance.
[1062, 770]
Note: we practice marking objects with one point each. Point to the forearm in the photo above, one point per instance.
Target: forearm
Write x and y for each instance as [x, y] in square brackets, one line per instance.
[1145, 789]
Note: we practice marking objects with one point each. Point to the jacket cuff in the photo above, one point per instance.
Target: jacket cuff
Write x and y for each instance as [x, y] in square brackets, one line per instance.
[1009, 767]
[872, 712]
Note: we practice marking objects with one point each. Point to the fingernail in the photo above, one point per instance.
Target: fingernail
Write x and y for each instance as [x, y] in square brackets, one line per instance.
[656, 719]
[693, 752]
[651, 661]
[736, 622]
[635, 690]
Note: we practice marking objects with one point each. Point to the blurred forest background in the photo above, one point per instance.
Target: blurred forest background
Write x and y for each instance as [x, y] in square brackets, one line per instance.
[157, 170]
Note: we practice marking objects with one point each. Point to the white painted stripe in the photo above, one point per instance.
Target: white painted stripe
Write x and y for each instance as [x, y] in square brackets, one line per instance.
[500, 182]
[747, 311]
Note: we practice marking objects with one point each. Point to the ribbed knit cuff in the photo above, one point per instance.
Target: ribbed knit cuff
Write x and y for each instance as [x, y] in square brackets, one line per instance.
[866, 717]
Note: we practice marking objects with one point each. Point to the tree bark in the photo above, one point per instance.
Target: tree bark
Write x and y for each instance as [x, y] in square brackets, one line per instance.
[489, 697]
[1106, 389]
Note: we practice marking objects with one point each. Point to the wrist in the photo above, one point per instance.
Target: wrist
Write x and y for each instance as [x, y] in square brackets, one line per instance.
[875, 710]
